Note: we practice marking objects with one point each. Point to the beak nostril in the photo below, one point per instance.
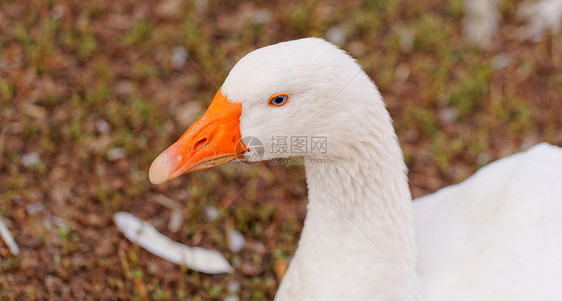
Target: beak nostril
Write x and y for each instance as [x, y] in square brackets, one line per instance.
[199, 144]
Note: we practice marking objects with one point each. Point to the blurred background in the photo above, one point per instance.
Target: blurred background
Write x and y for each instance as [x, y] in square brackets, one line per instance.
[92, 91]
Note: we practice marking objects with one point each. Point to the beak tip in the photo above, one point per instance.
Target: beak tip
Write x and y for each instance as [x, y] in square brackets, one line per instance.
[160, 169]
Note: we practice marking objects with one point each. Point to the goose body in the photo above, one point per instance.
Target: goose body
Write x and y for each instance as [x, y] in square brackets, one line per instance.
[495, 236]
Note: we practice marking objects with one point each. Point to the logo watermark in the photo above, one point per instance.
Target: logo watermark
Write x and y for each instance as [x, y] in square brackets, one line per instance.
[255, 150]
[291, 150]
[297, 161]
[299, 145]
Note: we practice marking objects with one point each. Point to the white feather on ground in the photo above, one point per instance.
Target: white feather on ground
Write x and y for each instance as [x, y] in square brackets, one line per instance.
[481, 21]
[544, 16]
[146, 236]
[8, 238]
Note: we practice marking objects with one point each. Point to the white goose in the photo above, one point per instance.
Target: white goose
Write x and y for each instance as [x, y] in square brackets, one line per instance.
[496, 236]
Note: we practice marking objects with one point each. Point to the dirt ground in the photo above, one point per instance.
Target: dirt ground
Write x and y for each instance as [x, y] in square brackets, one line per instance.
[92, 91]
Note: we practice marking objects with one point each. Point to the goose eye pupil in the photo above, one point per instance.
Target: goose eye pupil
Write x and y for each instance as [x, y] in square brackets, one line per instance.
[278, 100]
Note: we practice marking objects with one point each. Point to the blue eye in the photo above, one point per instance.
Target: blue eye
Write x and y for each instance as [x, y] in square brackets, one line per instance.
[278, 100]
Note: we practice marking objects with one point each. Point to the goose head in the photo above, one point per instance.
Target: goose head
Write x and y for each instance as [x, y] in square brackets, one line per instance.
[292, 90]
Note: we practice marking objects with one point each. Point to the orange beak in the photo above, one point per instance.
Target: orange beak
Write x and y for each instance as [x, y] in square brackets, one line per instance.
[210, 141]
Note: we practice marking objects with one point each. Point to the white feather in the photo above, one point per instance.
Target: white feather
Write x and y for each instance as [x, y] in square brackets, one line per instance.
[146, 236]
[8, 238]
[481, 21]
[545, 16]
